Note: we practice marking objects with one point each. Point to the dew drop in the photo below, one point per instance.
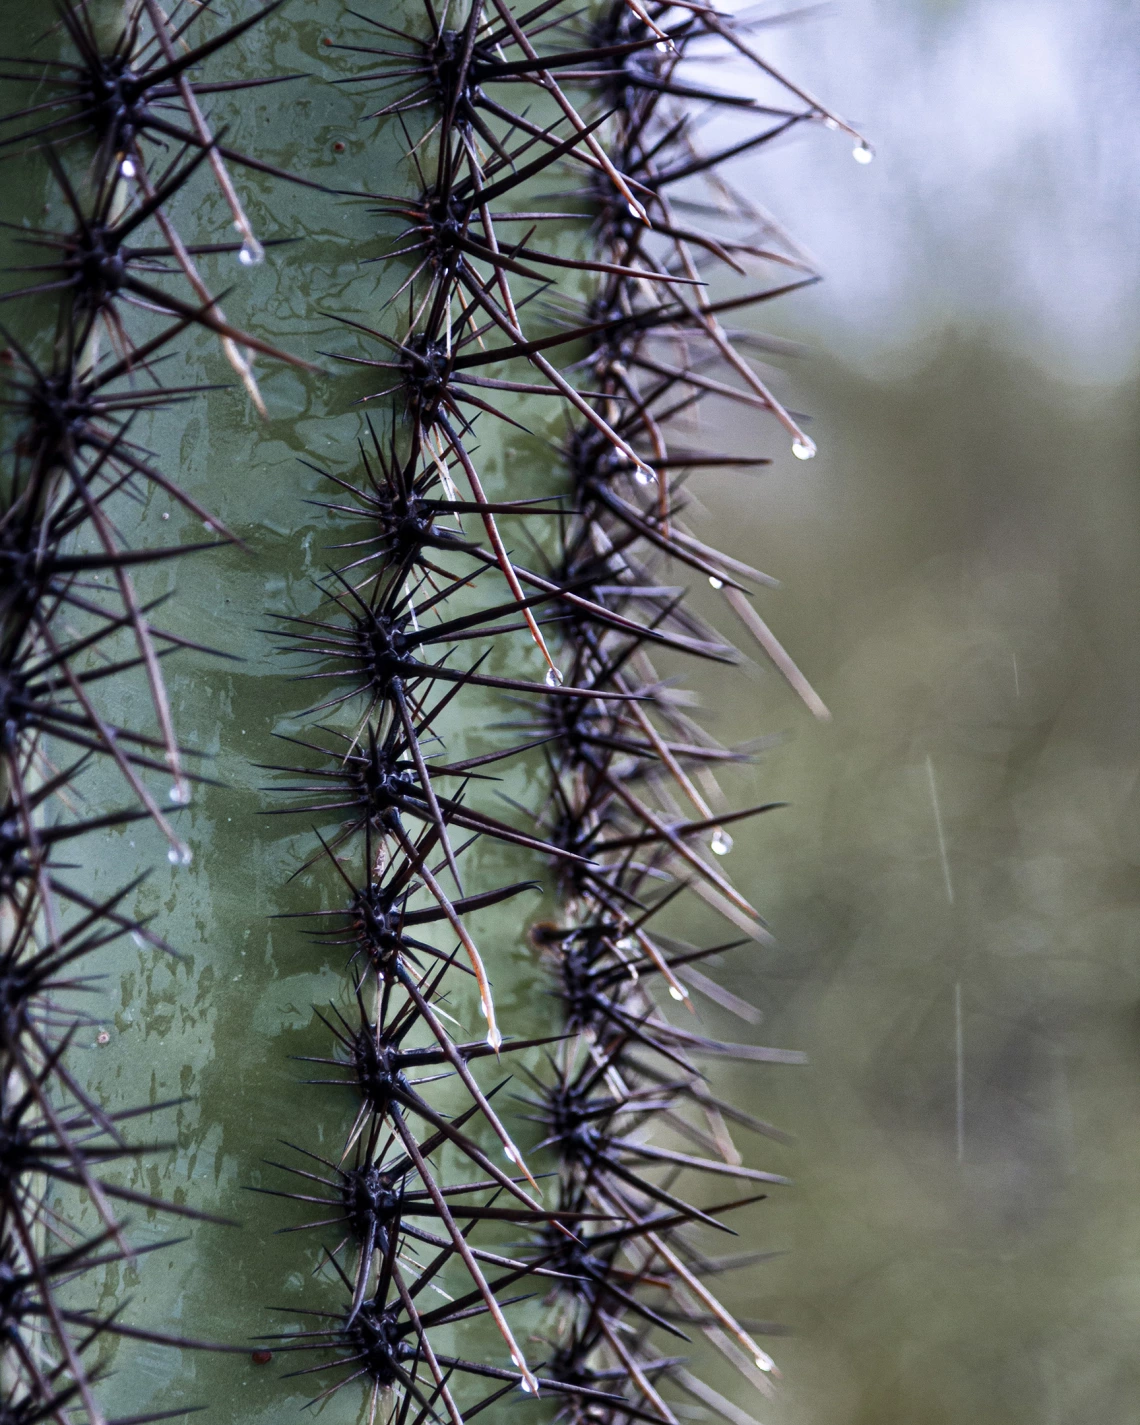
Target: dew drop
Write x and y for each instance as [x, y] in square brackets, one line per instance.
[625, 943]
[830, 123]
[180, 855]
[127, 168]
[676, 993]
[721, 843]
[252, 253]
[511, 1153]
[179, 794]
[644, 476]
[863, 153]
[803, 449]
[715, 582]
[633, 975]
[494, 1039]
[137, 938]
[554, 678]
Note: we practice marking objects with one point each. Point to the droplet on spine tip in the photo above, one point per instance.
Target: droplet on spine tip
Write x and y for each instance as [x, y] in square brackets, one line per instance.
[863, 153]
[554, 678]
[721, 843]
[252, 253]
[803, 448]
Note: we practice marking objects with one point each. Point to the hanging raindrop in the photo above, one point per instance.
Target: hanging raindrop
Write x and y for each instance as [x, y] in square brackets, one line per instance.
[252, 253]
[127, 168]
[863, 153]
[803, 448]
[715, 582]
[721, 843]
[179, 794]
[677, 994]
[554, 678]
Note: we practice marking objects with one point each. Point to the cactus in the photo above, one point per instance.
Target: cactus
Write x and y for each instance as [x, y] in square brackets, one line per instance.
[455, 620]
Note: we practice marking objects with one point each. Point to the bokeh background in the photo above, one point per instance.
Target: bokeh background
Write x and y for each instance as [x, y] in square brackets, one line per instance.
[955, 886]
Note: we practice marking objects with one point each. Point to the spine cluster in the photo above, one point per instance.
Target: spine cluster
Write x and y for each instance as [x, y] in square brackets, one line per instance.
[520, 127]
[91, 312]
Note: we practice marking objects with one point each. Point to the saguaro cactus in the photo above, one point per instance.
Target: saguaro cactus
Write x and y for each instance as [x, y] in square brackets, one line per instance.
[556, 255]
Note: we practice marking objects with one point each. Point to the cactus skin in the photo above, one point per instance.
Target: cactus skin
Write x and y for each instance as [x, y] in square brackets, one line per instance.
[427, 1186]
[93, 312]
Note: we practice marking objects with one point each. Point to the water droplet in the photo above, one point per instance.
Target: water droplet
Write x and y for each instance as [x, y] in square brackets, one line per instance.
[252, 253]
[625, 943]
[803, 448]
[137, 938]
[554, 678]
[830, 123]
[862, 153]
[664, 46]
[676, 993]
[180, 855]
[633, 975]
[127, 168]
[765, 1363]
[715, 582]
[643, 475]
[494, 1039]
[179, 794]
[721, 843]
[511, 1153]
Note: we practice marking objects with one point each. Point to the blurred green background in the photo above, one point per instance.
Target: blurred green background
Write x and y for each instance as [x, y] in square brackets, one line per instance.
[956, 886]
